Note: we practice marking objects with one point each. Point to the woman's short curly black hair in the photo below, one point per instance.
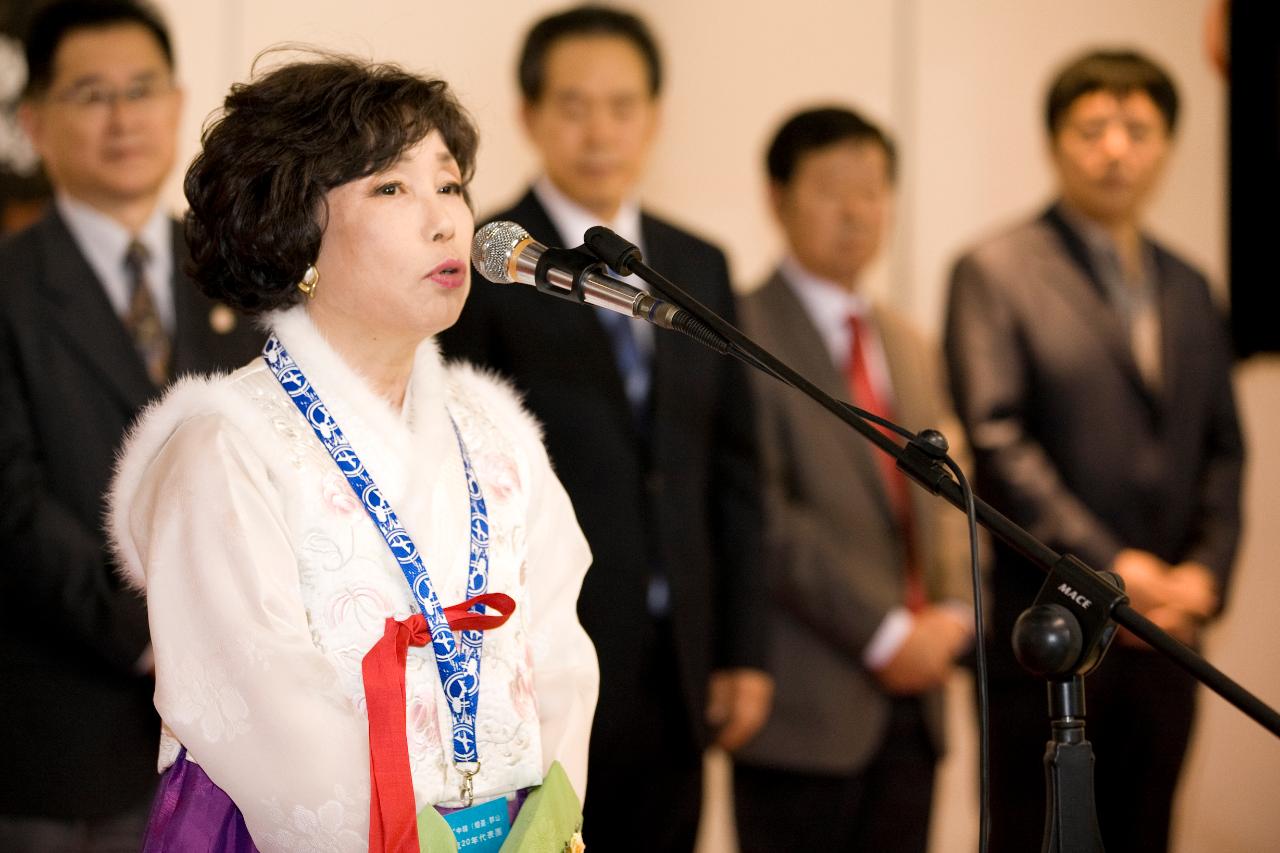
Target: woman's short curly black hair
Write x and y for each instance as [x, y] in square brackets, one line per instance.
[282, 141]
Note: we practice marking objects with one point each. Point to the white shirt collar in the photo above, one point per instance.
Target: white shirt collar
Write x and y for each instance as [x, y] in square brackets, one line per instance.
[829, 306]
[572, 219]
[103, 242]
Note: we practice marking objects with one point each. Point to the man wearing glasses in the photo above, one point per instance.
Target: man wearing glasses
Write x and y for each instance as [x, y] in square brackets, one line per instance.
[95, 317]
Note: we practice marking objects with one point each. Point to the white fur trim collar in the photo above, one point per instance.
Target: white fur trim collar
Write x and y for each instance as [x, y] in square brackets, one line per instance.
[395, 445]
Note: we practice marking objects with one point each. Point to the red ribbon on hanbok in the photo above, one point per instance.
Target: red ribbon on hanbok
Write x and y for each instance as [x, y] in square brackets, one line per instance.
[393, 814]
[461, 618]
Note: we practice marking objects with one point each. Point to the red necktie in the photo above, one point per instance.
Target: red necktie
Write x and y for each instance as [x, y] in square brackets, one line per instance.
[865, 396]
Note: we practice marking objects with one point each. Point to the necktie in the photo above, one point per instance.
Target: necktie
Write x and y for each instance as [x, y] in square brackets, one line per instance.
[633, 363]
[142, 320]
[1144, 336]
[865, 396]
[1131, 287]
[633, 367]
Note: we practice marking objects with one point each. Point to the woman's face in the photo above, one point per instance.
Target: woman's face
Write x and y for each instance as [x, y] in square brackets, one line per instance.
[393, 260]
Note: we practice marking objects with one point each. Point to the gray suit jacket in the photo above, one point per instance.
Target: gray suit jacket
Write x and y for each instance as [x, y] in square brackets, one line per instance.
[835, 553]
[1068, 441]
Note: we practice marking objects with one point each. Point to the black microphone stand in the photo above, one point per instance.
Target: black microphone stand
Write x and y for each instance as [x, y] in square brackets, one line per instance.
[1065, 633]
[1051, 642]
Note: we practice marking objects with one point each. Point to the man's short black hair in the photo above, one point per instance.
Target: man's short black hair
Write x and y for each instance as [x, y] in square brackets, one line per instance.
[819, 128]
[1119, 72]
[54, 22]
[586, 20]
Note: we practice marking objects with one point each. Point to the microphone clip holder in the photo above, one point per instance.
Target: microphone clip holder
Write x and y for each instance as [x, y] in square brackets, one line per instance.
[922, 457]
[620, 254]
[1068, 628]
[563, 273]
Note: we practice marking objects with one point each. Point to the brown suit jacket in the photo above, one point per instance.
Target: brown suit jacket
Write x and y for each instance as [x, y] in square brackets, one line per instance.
[835, 553]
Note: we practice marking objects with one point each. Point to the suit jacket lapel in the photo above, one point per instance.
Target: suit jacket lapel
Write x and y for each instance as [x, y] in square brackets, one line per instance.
[664, 365]
[578, 322]
[83, 316]
[1067, 265]
[675, 374]
[1172, 357]
[800, 344]
[530, 213]
[191, 323]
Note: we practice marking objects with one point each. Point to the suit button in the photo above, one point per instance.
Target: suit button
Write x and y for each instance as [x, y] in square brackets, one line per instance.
[655, 484]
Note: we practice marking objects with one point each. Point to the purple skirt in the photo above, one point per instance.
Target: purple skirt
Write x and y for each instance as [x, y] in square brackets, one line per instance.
[190, 814]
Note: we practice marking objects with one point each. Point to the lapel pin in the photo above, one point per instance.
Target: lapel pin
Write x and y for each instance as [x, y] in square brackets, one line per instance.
[222, 319]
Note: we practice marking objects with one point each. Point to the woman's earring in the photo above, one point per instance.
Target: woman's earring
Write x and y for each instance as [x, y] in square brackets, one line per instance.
[310, 280]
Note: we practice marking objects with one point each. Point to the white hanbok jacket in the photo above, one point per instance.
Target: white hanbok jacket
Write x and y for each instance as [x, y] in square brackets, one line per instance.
[267, 583]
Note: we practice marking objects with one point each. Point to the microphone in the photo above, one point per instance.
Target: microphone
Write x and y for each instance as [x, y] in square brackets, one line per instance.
[505, 253]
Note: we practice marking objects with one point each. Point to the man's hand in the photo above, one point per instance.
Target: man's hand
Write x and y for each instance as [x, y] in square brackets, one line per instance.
[1144, 577]
[1178, 624]
[923, 661]
[1193, 588]
[738, 703]
[1178, 599]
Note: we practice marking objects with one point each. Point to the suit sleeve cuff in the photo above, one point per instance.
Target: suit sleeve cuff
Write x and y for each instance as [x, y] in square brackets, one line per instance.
[888, 639]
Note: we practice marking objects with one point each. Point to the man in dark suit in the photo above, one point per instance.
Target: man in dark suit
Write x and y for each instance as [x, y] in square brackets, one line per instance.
[868, 574]
[95, 316]
[651, 434]
[1093, 375]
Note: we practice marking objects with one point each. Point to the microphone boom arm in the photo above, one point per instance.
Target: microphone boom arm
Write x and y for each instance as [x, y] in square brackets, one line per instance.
[921, 462]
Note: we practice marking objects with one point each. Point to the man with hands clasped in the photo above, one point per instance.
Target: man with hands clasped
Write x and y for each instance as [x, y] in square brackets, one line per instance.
[867, 573]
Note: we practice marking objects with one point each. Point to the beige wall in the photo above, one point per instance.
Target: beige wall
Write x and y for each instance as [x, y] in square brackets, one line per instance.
[1228, 799]
[959, 82]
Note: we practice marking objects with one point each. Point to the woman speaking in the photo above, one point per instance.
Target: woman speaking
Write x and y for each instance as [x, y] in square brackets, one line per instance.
[360, 570]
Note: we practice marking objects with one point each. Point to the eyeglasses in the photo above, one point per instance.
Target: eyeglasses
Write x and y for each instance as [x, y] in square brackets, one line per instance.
[142, 93]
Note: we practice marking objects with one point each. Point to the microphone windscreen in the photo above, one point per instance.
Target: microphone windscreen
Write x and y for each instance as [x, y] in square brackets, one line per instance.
[492, 247]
